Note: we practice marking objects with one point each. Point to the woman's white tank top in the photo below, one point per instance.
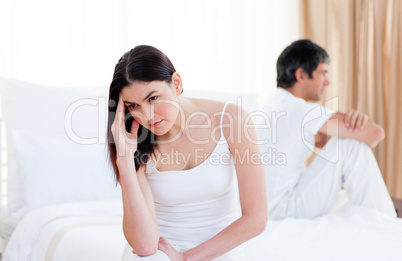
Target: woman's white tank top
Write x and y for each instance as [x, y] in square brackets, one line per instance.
[194, 205]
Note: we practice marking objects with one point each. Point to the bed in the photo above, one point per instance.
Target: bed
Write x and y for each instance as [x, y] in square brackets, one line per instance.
[63, 204]
[92, 231]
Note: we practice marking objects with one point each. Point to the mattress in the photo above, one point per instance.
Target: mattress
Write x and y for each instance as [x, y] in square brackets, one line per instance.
[75, 231]
[93, 231]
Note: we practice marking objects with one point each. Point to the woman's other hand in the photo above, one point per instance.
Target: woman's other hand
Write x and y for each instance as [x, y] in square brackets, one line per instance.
[169, 250]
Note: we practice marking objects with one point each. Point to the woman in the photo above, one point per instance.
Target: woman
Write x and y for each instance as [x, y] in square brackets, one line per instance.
[173, 157]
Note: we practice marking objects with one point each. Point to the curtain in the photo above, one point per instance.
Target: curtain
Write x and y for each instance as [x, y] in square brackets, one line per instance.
[364, 41]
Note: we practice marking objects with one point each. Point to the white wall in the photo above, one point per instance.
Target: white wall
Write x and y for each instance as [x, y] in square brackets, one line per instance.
[214, 44]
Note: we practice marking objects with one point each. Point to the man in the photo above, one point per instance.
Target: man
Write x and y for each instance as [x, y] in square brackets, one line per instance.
[297, 126]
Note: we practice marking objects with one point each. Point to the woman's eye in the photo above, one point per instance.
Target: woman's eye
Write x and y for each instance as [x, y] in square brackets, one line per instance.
[154, 98]
[132, 106]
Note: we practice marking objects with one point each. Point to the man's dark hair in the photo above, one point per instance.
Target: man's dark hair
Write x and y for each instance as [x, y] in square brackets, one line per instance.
[300, 54]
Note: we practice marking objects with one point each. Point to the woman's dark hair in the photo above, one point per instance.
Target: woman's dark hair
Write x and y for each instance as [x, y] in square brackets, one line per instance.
[146, 64]
[300, 54]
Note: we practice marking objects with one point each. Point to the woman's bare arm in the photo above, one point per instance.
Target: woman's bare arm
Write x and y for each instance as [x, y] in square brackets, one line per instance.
[139, 222]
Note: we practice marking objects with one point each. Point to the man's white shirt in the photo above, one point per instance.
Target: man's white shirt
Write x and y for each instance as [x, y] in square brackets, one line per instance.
[289, 139]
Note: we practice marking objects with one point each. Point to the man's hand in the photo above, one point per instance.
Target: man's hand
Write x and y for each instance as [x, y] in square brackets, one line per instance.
[355, 120]
[353, 125]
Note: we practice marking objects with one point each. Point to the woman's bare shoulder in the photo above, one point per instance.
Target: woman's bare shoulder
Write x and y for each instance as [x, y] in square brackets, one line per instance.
[216, 110]
[215, 106]
[208, 106]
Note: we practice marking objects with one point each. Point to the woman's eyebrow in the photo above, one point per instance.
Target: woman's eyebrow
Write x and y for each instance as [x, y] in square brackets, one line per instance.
[146, 97]
[149, 95]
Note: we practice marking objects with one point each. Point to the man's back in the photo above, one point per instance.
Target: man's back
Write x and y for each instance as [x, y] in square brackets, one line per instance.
[293, 125]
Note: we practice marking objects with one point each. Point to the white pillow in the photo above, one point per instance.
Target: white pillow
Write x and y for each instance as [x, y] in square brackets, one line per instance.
[46, 162]
[56, 170]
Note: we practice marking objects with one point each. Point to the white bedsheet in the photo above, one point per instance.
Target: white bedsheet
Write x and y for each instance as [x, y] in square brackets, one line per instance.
[77, 231]
[92, 231]
[358, 233]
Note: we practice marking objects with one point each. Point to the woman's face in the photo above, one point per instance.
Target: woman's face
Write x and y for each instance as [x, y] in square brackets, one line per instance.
[154, 104]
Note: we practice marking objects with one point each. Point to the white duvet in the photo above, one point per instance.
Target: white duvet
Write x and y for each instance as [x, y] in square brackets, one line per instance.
[78, 231]
[92, 231]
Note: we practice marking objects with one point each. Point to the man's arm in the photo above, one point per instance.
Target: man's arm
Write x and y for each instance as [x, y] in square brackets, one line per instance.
[321, 139]
[371, 133]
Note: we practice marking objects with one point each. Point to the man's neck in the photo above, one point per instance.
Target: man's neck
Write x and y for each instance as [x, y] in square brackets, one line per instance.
[296, 92]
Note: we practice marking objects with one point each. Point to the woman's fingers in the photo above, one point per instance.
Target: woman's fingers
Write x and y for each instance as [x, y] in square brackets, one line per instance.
[125, 142]
[169, 250]
[120, 113]
[120, 105]
[134, 128]
[117, 123]
[163, 246]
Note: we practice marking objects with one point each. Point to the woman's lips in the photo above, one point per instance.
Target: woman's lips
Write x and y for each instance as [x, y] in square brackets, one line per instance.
[155, 124]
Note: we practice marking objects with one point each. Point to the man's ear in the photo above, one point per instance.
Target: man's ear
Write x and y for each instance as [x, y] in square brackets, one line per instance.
[300, 75]
[177, 83]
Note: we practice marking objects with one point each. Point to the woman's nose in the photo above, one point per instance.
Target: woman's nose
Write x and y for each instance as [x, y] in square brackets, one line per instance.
[148, 112]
